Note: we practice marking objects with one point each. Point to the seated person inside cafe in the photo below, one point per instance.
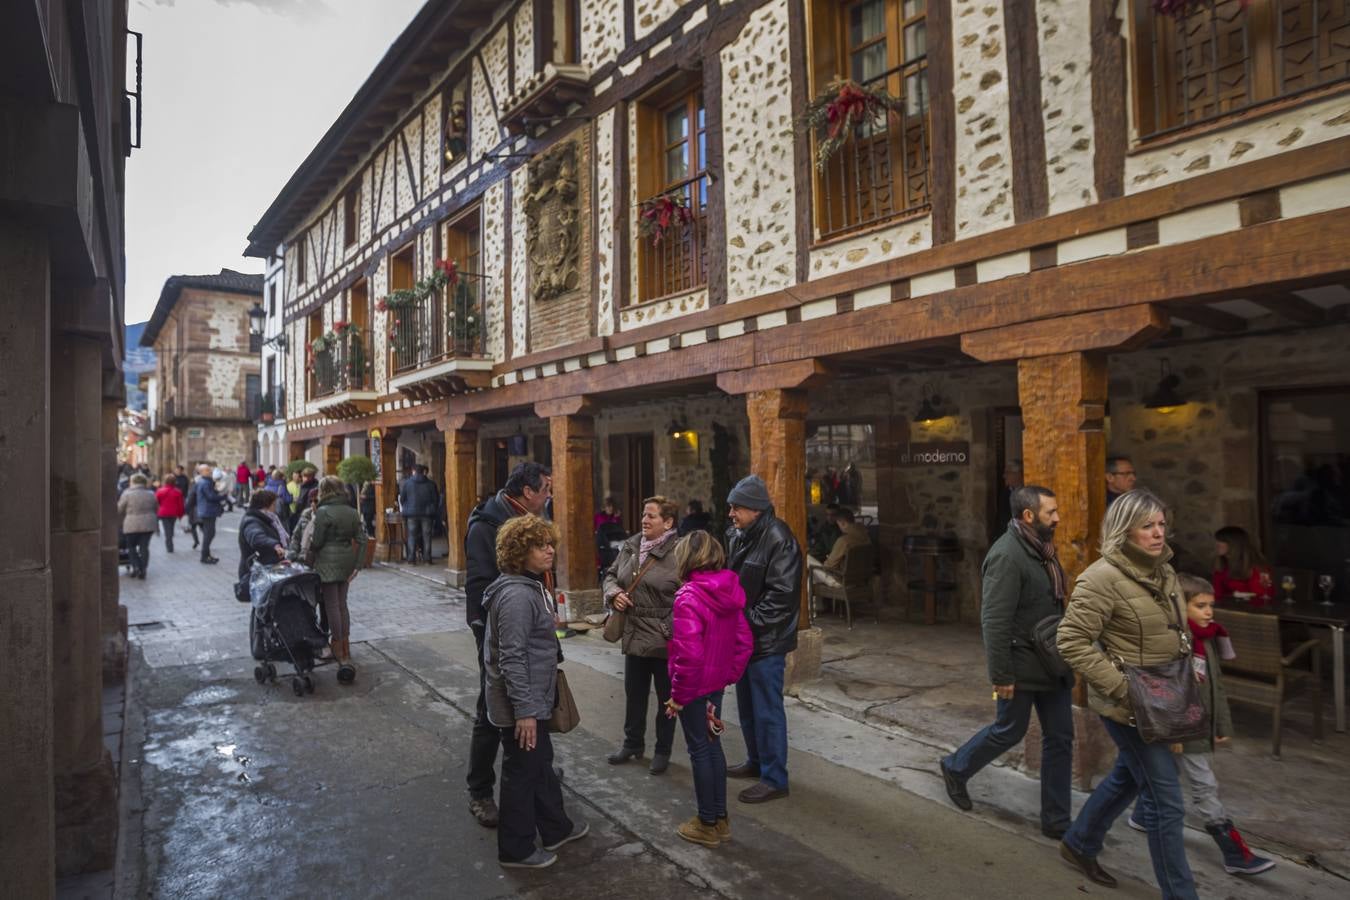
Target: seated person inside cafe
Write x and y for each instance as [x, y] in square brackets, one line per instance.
[1240, 571]
[851, 534]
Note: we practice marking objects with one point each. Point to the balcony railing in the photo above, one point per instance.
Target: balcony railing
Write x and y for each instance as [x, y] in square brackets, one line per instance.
[437, 329]
[677, 262]
[882, 172]
[253, 407]
[341, 366]
[272, 405]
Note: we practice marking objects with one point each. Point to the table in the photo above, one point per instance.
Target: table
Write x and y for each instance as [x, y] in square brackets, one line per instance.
[1312, 612]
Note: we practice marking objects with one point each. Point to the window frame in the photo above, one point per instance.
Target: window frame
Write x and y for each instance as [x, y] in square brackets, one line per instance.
[460, 82]
[301, 262]
[545, 32]
[351, 216]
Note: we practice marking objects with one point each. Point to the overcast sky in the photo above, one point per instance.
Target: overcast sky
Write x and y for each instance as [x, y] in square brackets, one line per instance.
[237, 93]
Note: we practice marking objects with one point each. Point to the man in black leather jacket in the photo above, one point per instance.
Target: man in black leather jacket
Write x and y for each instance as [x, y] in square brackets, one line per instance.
[763, 551]
[527, 489]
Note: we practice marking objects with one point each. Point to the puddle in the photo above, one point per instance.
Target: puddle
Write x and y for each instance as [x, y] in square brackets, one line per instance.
[208, 695]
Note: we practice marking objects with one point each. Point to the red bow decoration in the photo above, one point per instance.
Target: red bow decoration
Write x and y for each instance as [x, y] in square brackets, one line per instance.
[451, 270]
[851, 105]
[660, 213]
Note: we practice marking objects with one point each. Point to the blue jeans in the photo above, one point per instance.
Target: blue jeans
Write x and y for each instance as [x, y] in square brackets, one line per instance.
[1146, 769]
[706, 758]
[759, 701]
[1055, 710]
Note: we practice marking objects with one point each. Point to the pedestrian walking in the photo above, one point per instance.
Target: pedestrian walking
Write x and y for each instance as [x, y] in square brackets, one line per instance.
[527, 491]
[1195, 759]
[641, 586]
[139, 510]
[419, 503]
[521, 661]
[1127, 606]
[338, 544]
[1023, 584]
[209, 503]
[710, 645]
[182, 481]
[243, 477]
[276, 483]
[764, 554]
[309, 483]
[261, 533]
[259, 477]
[171, 506]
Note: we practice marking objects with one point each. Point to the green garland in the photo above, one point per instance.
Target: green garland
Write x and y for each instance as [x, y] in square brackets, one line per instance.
[843, 106]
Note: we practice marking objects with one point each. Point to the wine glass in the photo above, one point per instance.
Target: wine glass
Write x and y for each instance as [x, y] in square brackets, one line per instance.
[1326, 584]
[1287, 585]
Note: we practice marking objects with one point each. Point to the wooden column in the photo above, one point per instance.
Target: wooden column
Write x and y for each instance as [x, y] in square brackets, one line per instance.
[461, 487]
[571, 427]
[332, 454]
[778, 455]
[386, 487]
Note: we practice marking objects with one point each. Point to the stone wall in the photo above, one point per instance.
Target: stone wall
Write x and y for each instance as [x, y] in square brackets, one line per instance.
[983, 153]
[1064, 38]
[567, 317]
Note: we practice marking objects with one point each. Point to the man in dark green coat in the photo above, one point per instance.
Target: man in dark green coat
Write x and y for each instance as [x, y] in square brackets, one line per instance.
[1022, 584]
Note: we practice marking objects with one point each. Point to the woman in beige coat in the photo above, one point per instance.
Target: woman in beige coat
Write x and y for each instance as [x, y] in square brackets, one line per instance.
[1127, 608]
[139, 511]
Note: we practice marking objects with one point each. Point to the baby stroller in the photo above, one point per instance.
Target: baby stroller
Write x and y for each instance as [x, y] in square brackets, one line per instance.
[283, 624]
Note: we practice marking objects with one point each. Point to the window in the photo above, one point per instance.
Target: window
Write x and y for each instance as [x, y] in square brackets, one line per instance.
[300, 261]
[462, 241]
[455, 121]
[882, 172]
[313, 332]
[673, 133]
[272, 299]
[407, 328]
[558, 39]
[351, 212]
[1228, 55]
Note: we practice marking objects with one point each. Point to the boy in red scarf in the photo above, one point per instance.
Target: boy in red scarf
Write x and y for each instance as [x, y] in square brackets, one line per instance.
[1195, 759]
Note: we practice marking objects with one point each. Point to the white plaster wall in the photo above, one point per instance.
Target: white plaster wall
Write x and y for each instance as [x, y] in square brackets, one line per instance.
[224, 381]
[379, 287]
[407, 177]
[494, 290]
[601, 32]
[664, 310]
[983, 154]
[604, 238]
[524, 38]
[885, 243]
[385, 179]
[649, 14]
[757, 163]
[1300, 126]
[431, 142]
[223, 319]
[1065, 41]
[483, 133]
[520, 302]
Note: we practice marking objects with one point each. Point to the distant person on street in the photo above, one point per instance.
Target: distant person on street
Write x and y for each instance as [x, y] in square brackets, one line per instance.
[209, 504]
[527, 491]
[764, 554]
[1120, 477]
[139, 511]
[243, 478]
[608, 515]
[419, 501]
[521, 662]
[1023, 583]
[309, 483]
[261, 533]
[338, 544]
[851, 534]
[182, 481]
[641, 586]
[276, 483]
[1128, 606]
[259, 477]
[710, 645]
[695, 519]
[171, 507]
[223, 486]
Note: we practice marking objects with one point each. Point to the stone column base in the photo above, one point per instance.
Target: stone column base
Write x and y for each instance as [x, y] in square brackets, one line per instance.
[115, 649]
[582, 603]
[1094, 753]
[456, 578]
[86, 819]
[803, 664]
[386, 553]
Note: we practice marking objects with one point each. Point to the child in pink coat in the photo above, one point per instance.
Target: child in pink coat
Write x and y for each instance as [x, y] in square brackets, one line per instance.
[709, 647]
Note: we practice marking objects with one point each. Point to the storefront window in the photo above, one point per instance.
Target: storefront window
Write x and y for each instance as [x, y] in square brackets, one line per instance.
[1305, 438]
[841, 466]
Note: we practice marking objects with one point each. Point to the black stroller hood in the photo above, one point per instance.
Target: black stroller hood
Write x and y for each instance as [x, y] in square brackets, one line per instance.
[266, 584]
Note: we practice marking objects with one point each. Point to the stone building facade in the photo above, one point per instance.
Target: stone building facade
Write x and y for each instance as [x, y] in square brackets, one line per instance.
[208, 389]
[1038, 216]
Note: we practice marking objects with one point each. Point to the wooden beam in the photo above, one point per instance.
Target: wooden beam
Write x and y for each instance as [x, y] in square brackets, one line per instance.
[1208, 317]
[798, 374]
[1107, 329]
[1026, 133]
[1288, 305]
[565, 406]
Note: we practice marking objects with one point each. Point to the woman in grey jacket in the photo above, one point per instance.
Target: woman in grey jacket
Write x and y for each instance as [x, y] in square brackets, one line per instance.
[521, 656]
[140, 520]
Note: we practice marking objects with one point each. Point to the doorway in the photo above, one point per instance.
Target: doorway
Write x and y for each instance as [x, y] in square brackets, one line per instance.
[632, 474]
[1006, 473]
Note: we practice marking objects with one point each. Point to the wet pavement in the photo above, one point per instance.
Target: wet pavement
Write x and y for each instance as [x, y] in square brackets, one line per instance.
[231, 789]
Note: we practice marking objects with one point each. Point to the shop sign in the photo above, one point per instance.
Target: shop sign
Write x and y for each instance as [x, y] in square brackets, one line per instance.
[937, 453]
[196, 433]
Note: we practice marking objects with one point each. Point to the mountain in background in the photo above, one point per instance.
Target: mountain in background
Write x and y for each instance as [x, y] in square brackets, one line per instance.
[138, 359]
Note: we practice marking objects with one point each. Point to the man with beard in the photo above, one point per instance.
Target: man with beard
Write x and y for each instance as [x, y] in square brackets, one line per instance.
[1023, 584]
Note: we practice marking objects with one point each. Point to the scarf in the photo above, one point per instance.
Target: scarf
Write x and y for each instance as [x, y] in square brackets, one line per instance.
[648, 546]
[276, 523]
[1202, 633]
[1046, 551]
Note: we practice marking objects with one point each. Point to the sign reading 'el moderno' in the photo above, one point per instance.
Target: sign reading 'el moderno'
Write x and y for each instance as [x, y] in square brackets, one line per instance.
[941, 453]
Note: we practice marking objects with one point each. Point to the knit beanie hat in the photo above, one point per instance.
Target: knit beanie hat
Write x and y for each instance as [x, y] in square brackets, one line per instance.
[751, 493]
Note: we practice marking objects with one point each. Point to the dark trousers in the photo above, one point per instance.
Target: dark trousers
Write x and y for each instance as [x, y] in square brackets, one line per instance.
[167, 523]
[706, 758]
[532, 799]
[638, 674]
[483, 745]
[138, 548]
[419, 535]
[208, 526]
[1055, 711]
[759, 703]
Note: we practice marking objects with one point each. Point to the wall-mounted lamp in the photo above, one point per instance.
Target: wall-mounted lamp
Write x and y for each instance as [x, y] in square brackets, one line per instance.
[1165, 398]
[676, 428]
[930, 410]
[256, 315]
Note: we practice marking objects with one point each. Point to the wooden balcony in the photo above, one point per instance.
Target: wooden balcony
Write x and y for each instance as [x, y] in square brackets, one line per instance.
[437, 347]
[341, 380]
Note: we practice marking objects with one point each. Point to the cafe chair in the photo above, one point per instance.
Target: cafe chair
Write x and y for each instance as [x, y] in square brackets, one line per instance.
[853, 580]
[1262, 675]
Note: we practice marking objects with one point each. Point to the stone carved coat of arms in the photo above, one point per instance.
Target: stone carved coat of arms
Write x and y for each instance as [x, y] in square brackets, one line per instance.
[553, 224]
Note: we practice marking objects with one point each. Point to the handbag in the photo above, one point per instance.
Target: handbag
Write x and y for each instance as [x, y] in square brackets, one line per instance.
[1044, 641]
[565, 715]
[618, 618]
[1165, 699]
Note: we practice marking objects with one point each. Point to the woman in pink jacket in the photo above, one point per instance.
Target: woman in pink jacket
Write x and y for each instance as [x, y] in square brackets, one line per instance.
[709, 647]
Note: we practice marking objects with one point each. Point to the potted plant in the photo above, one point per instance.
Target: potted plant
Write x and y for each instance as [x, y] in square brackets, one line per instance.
[357, 471]
[268, 409]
